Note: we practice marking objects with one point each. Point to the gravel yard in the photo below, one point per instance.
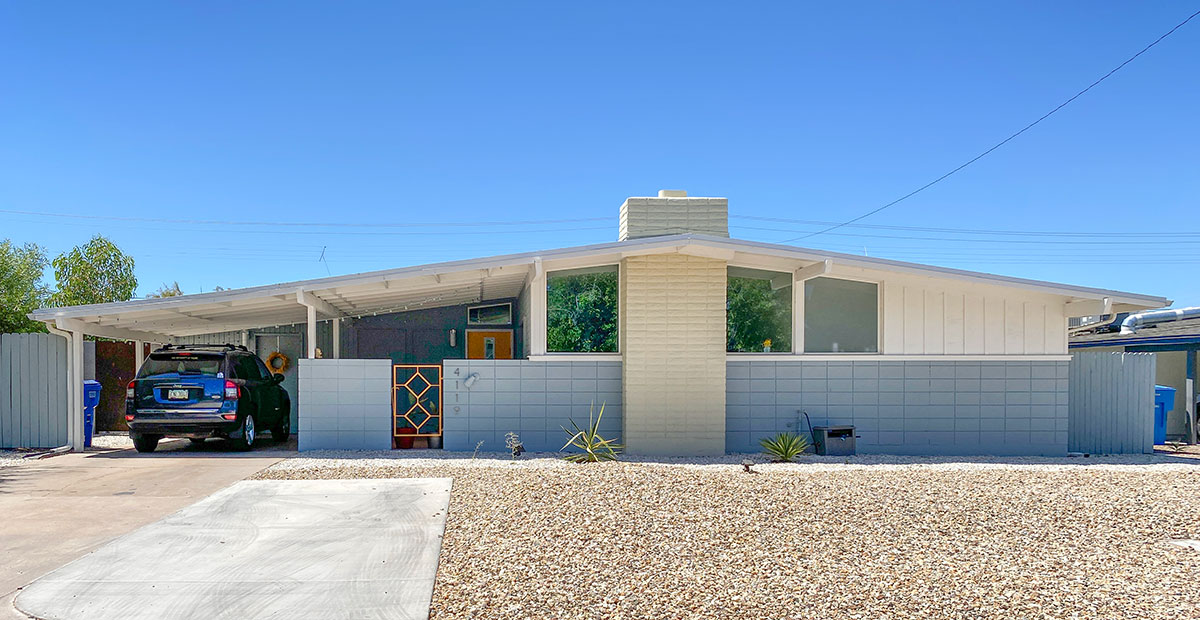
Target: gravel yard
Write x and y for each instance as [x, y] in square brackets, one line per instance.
[879, 537]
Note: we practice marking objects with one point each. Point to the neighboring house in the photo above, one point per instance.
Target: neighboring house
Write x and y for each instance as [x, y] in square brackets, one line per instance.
[1173, 336]
[695, 343]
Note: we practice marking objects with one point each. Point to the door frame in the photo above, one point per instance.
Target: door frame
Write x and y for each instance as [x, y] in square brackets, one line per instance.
[512, 341]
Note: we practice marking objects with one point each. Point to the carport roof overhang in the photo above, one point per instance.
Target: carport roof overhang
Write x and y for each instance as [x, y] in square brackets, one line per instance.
[497, 277]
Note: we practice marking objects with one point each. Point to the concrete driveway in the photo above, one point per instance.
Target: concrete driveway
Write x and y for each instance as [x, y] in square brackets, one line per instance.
[294, 549]
[58, 509]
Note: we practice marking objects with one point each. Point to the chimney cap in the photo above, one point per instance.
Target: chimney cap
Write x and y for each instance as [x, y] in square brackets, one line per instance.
[672, 193]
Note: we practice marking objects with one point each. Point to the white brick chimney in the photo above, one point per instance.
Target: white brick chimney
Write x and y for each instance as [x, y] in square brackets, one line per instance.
[672, 212]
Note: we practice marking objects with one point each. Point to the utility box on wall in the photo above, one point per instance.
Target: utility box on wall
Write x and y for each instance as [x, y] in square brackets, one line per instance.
[834, 440]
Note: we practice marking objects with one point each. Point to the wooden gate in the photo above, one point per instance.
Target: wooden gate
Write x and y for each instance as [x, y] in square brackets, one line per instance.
[417, 400]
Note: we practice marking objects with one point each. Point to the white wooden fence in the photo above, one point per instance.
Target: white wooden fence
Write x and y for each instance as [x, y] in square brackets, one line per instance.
[33, 391]
[1111, 408]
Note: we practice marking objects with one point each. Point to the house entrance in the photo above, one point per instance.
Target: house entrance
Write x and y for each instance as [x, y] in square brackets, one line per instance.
[416, 404]
[490, 344]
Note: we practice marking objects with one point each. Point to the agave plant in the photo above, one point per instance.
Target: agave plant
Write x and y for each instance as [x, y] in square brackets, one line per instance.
[785, 447]
[594, 447]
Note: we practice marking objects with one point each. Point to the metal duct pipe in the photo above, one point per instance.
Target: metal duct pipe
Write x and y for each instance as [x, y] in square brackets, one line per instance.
[1141, 319]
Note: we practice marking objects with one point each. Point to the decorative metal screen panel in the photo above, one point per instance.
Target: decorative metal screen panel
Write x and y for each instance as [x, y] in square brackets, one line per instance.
[417, 400]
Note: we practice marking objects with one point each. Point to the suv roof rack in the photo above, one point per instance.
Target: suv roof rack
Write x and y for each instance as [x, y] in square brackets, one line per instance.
[224, 346]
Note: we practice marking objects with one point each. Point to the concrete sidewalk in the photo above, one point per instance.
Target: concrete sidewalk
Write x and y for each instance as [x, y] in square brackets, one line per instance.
[56, 510]
[265, 549]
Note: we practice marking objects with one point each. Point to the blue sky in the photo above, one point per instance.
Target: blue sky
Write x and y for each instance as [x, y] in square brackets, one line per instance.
[370, 115]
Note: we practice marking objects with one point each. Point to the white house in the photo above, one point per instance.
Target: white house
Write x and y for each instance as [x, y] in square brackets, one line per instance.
[920, 359]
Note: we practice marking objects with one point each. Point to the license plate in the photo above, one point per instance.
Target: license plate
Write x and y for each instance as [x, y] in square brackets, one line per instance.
[177, 394]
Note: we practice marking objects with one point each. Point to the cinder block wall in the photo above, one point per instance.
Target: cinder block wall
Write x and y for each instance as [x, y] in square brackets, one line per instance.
[673, 343]
[345, 404]
[533, 399]
[910, 407]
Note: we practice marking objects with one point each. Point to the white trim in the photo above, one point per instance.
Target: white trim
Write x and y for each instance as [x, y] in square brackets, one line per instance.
[538, 321]
[874, 357]
[598, 254]
[576, 357]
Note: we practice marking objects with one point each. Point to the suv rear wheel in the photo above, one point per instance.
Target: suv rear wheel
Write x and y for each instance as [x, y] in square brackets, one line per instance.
[146, 443]
[282, 429]
[249, 432]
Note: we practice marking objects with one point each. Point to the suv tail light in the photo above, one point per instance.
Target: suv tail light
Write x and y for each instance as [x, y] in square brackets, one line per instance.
[232, 391]
[129, 389]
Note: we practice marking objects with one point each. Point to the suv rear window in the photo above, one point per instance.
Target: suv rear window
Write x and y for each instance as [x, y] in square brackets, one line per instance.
[182, 363]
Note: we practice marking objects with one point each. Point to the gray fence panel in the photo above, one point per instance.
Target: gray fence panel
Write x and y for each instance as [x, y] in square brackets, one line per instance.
[1111, 408]
[33, 391]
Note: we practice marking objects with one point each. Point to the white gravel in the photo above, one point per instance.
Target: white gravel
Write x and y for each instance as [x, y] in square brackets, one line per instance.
[12, 458]
[880, 537]
[111, 440]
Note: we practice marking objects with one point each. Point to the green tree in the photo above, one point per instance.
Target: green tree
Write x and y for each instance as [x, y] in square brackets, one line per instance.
[581, 313]
[167, 290]
[755, 313]
[94, 273]
[21, 287]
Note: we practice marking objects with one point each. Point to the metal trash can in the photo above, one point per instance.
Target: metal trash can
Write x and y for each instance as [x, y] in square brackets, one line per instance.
[1164, 402]
[91, 398]
[834, 440]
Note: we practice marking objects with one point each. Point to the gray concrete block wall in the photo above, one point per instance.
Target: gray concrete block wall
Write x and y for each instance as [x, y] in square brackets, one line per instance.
[345, 404]
[909, 407]
[531, 398]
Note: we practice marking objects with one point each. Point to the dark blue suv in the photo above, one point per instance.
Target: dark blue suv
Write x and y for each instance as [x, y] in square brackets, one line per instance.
[202, 391]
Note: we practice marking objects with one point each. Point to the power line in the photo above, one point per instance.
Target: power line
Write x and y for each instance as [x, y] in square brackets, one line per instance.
[971, 231]
[1002, 142]
[242, 228]
[161, 220]
[1005, 241]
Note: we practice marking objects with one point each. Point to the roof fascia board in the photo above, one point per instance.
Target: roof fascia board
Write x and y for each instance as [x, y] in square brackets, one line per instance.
[882, 264]
[596, 251]
[116, 333]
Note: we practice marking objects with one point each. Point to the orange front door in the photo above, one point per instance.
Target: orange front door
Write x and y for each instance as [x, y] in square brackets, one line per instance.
[489, 345]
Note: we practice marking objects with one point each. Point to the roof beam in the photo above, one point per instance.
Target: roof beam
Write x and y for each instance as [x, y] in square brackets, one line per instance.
[814, 270]
[116, 333]
[320, 305]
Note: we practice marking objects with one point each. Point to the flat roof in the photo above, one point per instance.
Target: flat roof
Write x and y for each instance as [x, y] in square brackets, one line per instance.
[467, 281]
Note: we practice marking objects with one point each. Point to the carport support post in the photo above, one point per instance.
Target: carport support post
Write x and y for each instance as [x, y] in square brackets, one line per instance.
[337, 338]
[74, 384]
[1189, 404]
[139, 355]
[312, 332]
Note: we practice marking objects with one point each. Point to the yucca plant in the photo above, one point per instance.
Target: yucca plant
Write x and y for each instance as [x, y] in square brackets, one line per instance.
[785, 447]
[594, 447]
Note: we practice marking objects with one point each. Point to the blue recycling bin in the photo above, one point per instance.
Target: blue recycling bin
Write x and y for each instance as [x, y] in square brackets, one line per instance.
[91, 398]
[1164, 402]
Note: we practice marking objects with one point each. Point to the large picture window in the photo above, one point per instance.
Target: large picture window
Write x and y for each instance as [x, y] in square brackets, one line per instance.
[841, 316]
[758, 308]
[581, 310]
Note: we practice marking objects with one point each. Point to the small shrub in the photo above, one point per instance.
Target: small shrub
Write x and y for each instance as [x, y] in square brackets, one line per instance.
[595, 448]
[785, 447]
[512, 441]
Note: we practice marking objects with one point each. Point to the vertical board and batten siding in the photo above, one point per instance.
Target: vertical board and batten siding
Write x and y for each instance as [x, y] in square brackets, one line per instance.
[936, 319]
[1112, 403]
[33, 391]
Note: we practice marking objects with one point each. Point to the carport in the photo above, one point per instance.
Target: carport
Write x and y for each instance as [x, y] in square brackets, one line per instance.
[227, 316]
[321, 305]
